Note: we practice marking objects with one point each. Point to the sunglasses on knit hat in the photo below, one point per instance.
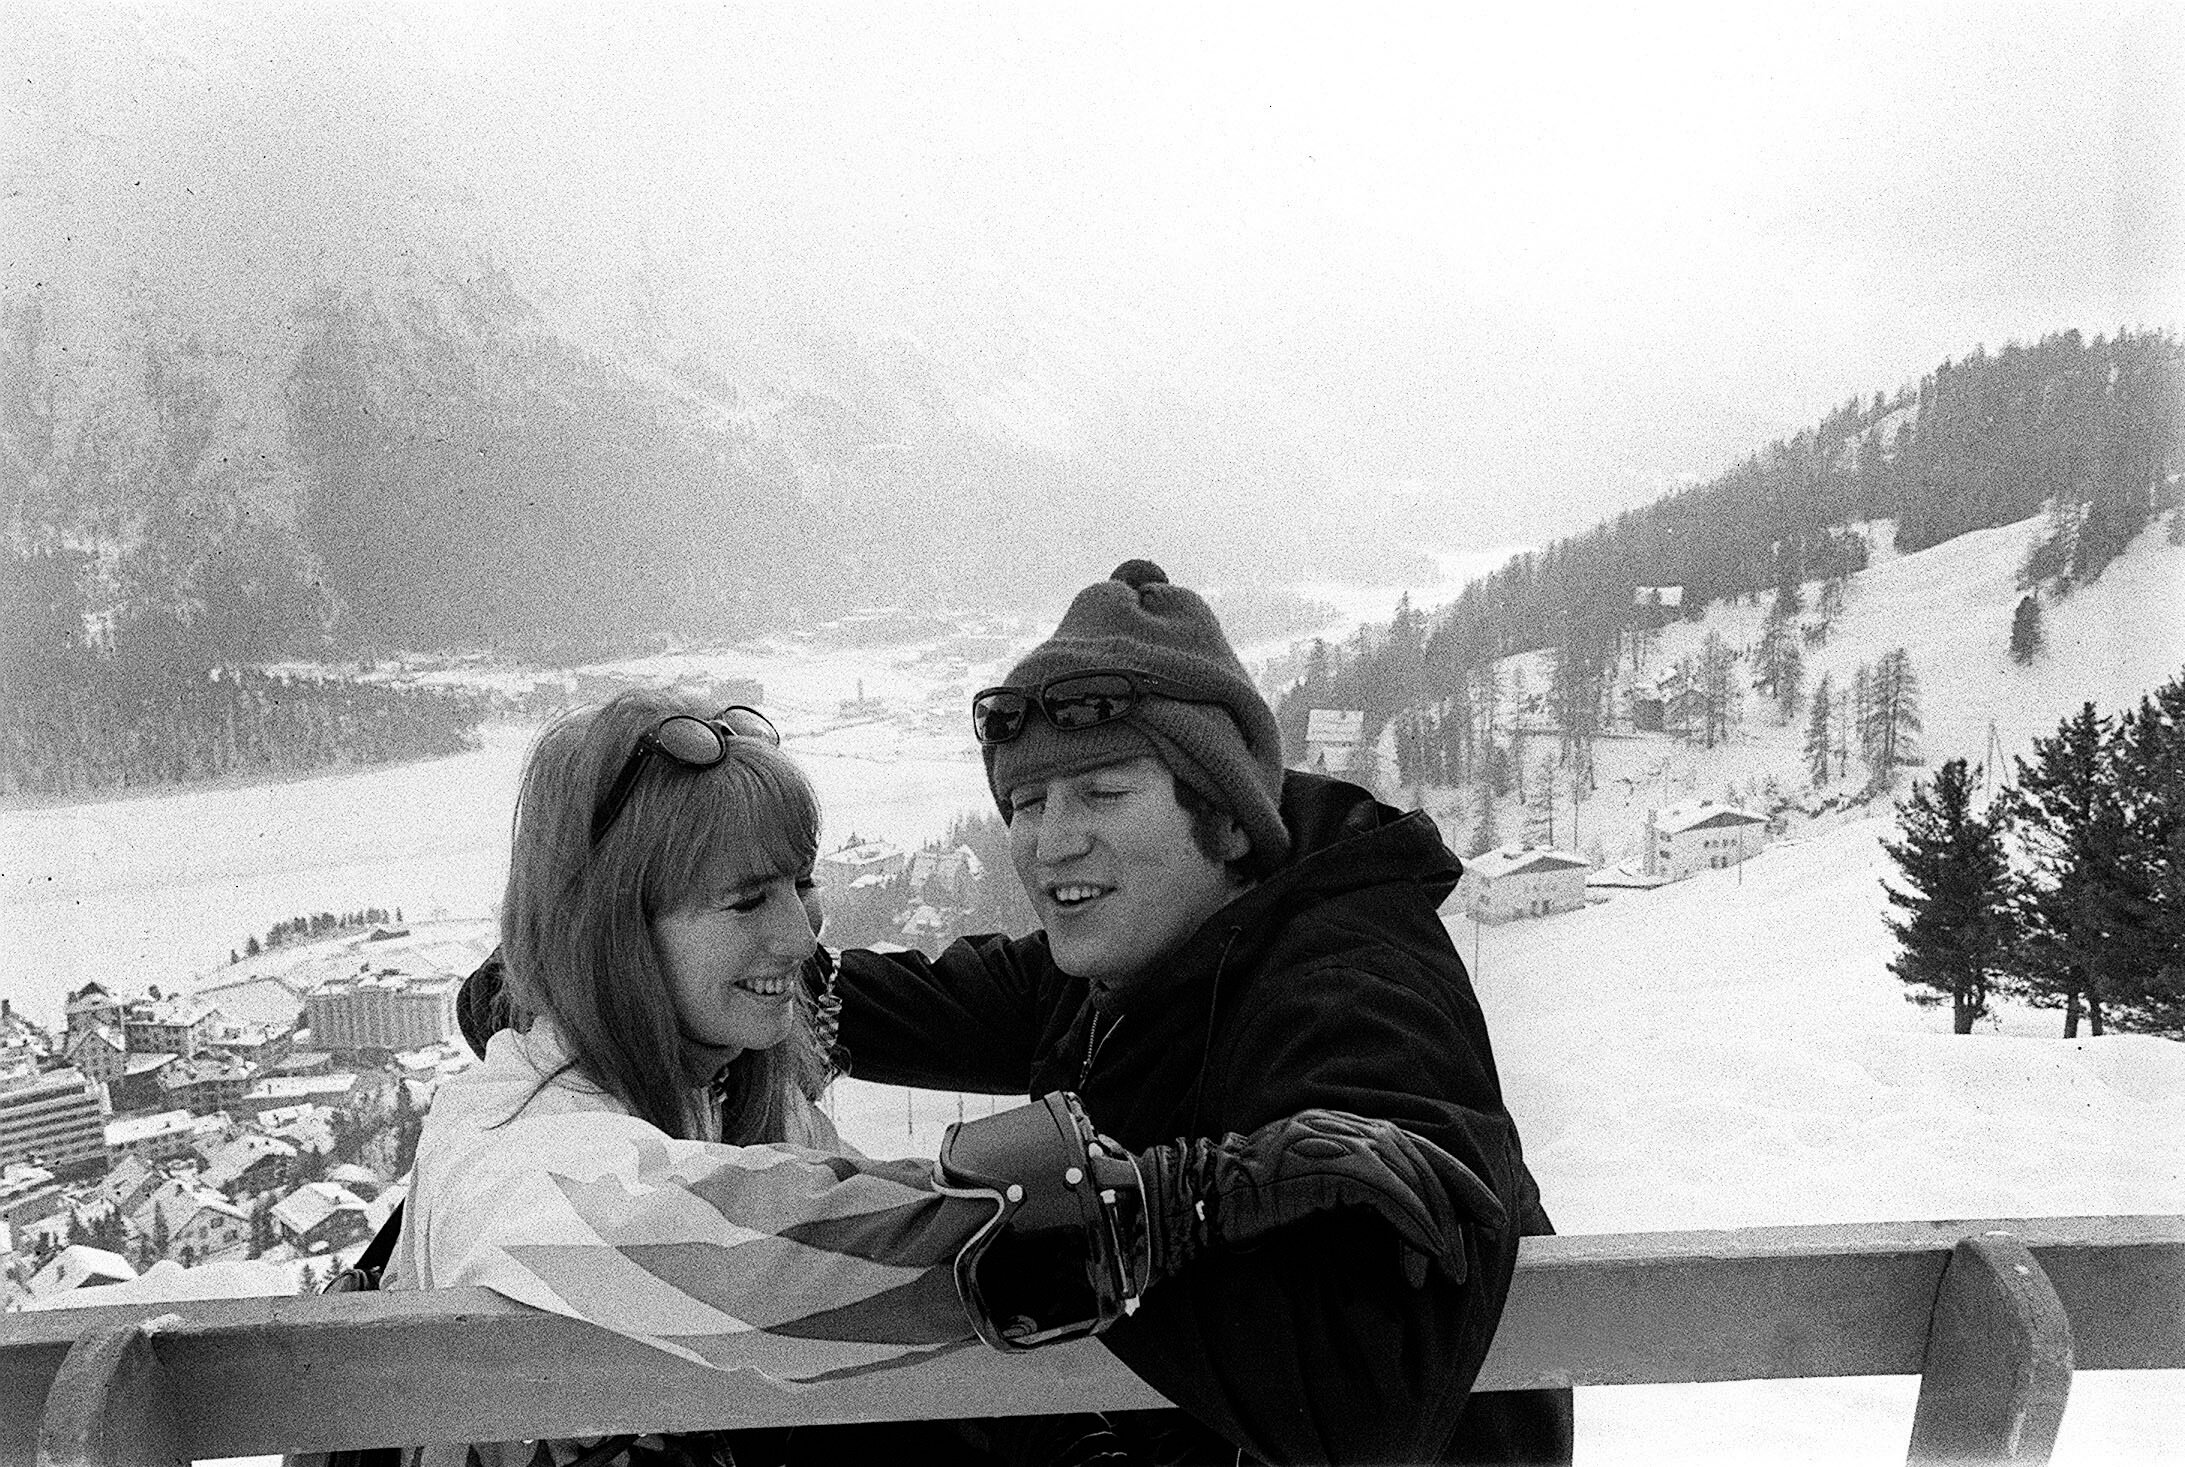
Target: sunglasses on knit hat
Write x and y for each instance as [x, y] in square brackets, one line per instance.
[1073, 701]
[691, 741]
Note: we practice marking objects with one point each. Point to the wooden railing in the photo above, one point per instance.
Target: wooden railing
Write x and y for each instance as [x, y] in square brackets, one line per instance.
[1994, 1316]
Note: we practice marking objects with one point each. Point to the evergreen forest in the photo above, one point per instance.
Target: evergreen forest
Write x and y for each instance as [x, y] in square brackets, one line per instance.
[2085, 432]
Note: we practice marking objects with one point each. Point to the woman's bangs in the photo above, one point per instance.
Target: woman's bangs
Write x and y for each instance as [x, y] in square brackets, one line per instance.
[751, 818]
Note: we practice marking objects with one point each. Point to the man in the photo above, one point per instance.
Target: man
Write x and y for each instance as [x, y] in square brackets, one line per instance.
[1223, 944]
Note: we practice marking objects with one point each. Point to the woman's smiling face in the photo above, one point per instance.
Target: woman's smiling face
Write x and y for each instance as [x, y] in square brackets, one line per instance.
[732, 958]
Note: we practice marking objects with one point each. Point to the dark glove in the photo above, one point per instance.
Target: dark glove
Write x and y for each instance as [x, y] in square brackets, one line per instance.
[1082, 1228]
[1199, 1193]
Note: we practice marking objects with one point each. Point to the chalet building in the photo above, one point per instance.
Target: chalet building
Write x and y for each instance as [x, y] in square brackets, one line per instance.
[1332, 739]
[301, 1062]
[923, 921]
[57, 1119]
[92, 1006]
[209, 1083]
[29, 1194]
[172, 1135]
[137, 1089]
[129, 1181]
[200, 1222]
[177, 1025]
[945, 878]
[99, 1050]
[1521, 881]
[360, 1095]
[306, 1127]
[246, 1164]
[360, 1180]
[319, 1217]
[79, 1266]
[257, 1045]
[1701, 835]
[858, 860]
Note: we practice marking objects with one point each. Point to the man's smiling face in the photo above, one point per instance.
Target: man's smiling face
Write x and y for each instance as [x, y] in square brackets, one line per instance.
[1110, 863]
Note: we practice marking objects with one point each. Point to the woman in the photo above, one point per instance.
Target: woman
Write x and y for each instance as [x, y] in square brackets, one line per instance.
[655, 1085]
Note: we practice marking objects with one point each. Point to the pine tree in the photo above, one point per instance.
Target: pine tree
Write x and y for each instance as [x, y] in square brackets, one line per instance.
[2026, 628]
[1790, 681]
[1956, 934]
[2150, 764]
[1486, 832]
[1499, 779]
[1860, 725]
[261, 1226]
[1717, 689]
[1820, 737]
[1886, 732]
[2064, 813]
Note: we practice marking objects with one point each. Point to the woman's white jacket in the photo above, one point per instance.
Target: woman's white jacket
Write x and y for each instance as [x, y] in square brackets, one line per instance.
[798, 1261]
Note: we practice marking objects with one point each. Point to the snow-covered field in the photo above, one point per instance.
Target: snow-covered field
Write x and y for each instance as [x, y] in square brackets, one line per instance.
[1728, 1051]
[1731, 1053]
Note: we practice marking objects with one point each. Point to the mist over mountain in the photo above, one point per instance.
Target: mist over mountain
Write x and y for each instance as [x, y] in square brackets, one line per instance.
[273, 369]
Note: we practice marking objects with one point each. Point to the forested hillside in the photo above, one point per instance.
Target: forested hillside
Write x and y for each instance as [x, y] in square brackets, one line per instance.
[2090, 430]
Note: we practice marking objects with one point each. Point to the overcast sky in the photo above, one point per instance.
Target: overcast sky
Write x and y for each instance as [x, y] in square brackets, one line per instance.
[1525, 270]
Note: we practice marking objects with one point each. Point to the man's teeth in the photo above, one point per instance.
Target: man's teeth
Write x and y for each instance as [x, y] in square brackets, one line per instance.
[764, 987]
[1070, 895]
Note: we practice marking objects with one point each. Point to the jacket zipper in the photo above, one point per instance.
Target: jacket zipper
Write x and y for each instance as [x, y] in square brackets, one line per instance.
[1093, 1040]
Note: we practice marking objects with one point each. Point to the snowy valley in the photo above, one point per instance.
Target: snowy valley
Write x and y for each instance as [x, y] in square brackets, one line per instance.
[1728, 1050]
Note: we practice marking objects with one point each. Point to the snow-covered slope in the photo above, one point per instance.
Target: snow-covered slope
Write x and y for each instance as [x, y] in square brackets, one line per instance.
[1949, 608]
[1731, 1051]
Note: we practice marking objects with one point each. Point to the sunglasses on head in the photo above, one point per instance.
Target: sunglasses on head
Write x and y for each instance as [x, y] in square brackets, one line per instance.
[691, 741]
[1073, 701]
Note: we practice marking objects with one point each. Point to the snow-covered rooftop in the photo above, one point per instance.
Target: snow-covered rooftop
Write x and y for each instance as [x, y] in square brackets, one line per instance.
[1698, 814]
[1510, 860]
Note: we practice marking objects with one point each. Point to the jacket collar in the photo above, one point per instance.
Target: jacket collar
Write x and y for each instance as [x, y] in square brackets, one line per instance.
[1342, 841]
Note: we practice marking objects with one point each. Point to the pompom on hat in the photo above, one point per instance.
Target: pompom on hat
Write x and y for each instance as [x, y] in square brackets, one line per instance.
[1228, 751]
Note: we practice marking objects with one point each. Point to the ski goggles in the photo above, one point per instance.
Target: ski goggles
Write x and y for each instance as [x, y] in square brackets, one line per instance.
[691, 741]
[1052, 1263]
[1073, 701]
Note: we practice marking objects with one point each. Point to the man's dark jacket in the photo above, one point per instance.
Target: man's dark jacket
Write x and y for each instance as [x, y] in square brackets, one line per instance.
[1332, 983]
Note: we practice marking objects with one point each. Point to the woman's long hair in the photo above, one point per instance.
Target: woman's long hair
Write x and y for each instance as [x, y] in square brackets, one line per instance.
[576, 923]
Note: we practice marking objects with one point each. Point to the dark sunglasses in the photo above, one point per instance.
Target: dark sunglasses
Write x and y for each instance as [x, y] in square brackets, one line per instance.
[1073, 701]
[691, 741]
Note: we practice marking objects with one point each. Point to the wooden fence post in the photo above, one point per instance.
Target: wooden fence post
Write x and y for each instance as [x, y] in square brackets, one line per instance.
[1998, 1364]
[110, 1405]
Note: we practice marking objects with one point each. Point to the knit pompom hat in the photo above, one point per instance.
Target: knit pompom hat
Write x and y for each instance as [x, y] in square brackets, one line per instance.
[1228, 751]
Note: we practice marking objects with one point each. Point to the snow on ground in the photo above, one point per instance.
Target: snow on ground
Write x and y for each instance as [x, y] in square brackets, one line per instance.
[1731, 1051]
[1949, 608]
